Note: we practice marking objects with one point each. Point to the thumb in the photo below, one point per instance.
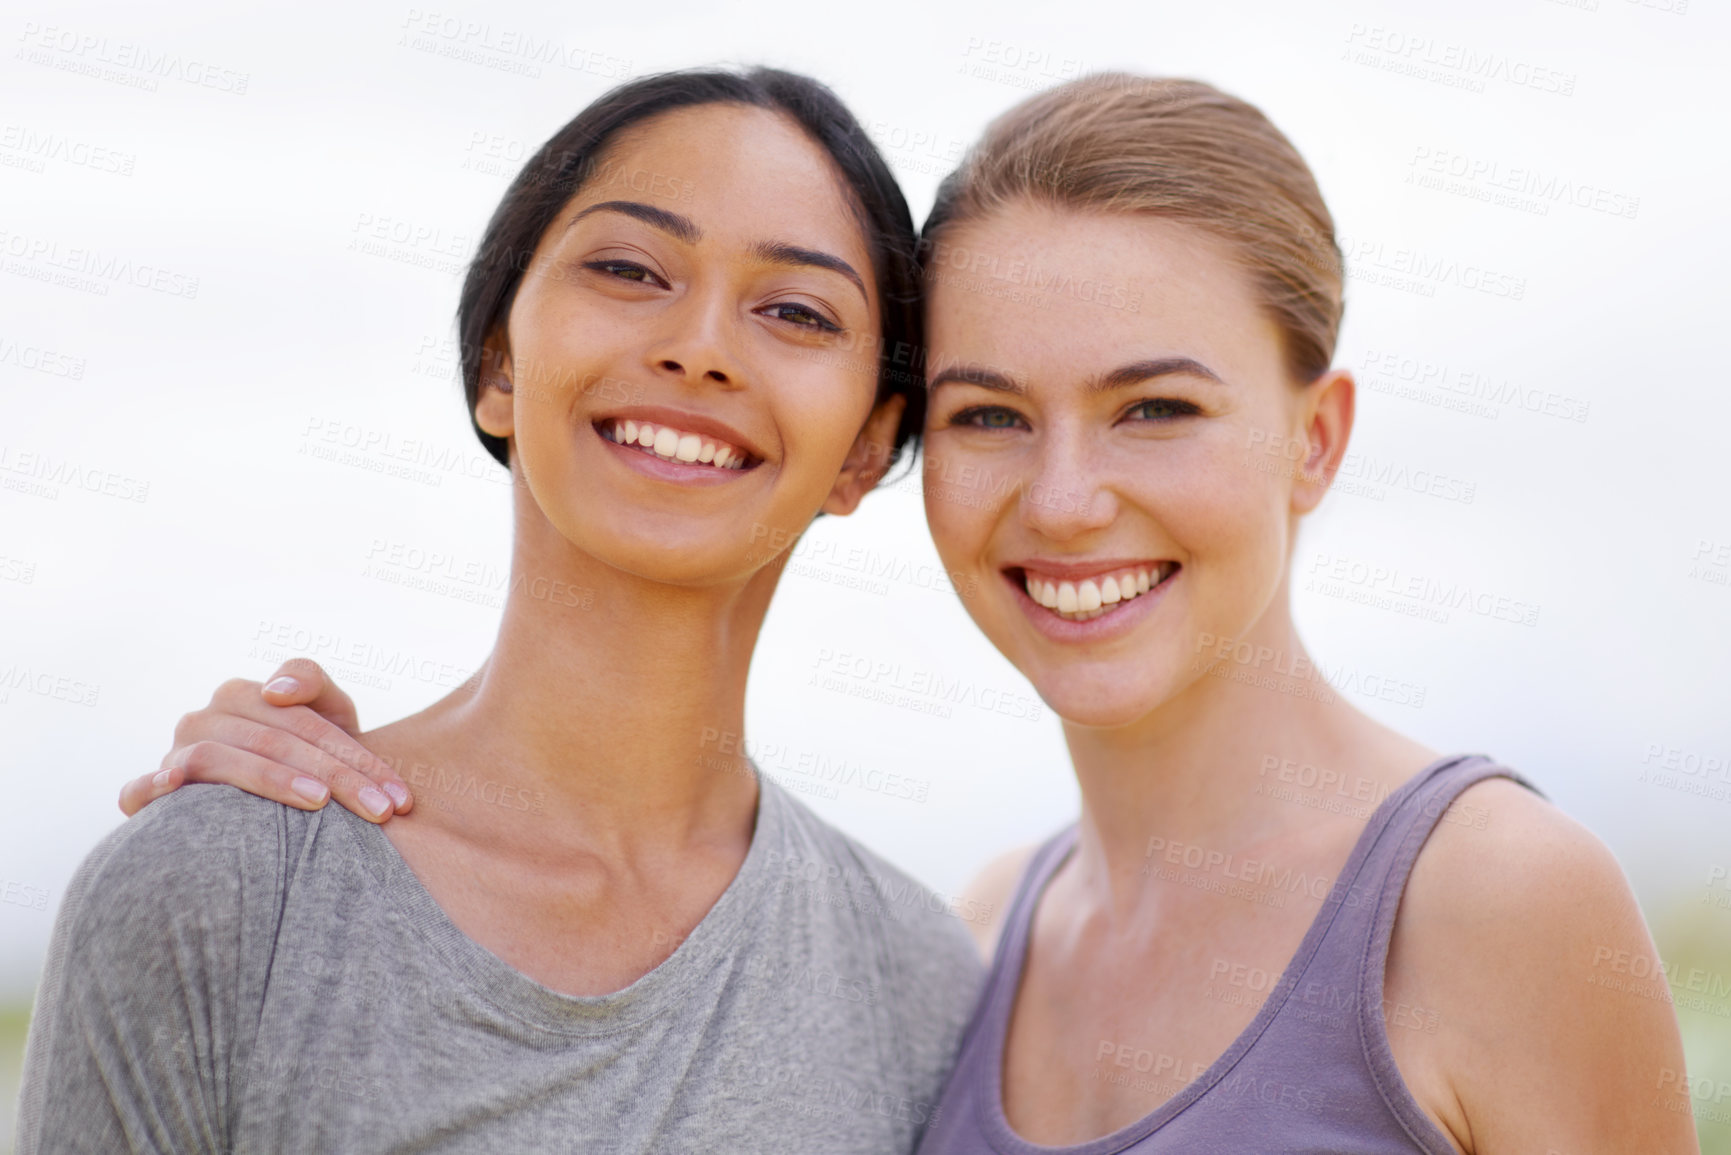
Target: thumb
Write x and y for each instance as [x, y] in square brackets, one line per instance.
[302, 682]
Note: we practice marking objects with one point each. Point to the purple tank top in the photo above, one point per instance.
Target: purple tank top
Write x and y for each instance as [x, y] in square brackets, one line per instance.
[1313, 1072]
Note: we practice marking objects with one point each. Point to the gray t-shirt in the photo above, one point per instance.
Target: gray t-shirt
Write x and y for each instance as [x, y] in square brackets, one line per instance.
[228, 974]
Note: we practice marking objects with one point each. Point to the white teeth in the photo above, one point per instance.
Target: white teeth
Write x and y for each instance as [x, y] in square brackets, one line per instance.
[673, 444]
[1087, 599]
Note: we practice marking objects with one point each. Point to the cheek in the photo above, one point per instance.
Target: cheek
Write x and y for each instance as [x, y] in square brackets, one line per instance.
[1231, 520]
[554, 351]
[816, 436]
[964, 503]
[818, 417]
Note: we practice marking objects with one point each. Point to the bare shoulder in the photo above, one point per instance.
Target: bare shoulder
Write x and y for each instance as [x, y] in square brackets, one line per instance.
[1520, 875]
[1500, 848]
[990, 893]
[1520, 935]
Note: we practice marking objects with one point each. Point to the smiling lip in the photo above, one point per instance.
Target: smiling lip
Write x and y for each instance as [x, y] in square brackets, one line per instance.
[690, 441]
[1076, 592]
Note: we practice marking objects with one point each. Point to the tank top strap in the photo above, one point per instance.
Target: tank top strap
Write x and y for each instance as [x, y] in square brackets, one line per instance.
[1368, 891]
[1370, 900]
[1313, 1071]
[1352, 933]
[1004, 974]
[1045, 860]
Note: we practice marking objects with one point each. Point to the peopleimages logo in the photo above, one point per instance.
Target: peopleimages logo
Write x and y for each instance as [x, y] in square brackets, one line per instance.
[1414, 270]
[504, 49]
[89, 269]
[34, 149]
[39, 360]
[122, 61]
[1488, 176]
[1452, 65]
[912, 688]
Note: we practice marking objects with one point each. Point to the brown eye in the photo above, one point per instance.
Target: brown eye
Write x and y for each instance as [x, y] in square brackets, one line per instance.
[797, 314]
[625, 271]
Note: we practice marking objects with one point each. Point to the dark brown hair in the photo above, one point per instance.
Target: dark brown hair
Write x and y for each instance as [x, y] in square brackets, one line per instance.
[559, 170]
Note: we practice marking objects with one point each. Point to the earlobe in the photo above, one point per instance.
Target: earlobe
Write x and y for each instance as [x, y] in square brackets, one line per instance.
[869, 458]
[493, 408]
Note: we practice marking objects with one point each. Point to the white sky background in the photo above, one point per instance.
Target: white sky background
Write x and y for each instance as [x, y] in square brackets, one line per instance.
[148, 604]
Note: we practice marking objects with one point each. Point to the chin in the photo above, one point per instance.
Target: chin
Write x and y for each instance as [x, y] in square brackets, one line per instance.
[1106, 697]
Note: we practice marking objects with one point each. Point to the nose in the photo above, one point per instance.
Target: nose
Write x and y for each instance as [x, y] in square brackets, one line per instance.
[1066, 496]
[697, 342]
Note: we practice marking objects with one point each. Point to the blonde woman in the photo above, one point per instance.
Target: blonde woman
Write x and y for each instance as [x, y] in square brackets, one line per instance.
[1277, 925]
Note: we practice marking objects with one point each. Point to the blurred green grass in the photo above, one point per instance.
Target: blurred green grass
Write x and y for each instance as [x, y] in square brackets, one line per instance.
[14, 1020]
[1695, 935]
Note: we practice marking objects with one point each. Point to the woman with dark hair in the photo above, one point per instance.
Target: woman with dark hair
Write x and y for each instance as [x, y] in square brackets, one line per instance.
[1277, 925]
[599, 943]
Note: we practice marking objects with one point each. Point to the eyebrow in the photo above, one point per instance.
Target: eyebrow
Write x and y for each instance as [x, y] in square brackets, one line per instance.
[684, 229]
[1134, 373]
[1138, 371]
[782, 253]
[680, 227]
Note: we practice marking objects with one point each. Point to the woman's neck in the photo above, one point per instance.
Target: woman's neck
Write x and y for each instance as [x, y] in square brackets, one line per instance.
[1221, 769]
[612, 705]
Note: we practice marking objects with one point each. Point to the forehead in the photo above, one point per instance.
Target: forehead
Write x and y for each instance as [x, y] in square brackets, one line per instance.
[1058, 294]
[737, 171]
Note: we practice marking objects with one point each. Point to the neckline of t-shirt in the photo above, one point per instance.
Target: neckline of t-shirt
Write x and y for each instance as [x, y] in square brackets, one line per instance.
[514, 994]
[1005, 1138]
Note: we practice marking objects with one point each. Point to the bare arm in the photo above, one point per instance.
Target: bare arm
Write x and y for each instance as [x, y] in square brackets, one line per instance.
[290, 740]
[1520, 932]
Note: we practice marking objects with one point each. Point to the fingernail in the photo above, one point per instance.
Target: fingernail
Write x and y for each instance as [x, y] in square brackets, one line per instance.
[283, 685]
[398, 793]
[375, 802]
[160, 779]
[309, 788]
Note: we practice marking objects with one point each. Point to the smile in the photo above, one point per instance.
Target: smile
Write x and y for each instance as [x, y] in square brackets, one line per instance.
[672, 444]
[1095, 596]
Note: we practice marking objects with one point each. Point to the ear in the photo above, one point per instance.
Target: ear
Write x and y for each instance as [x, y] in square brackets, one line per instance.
[1328, 406]
[869, 458]
[493, 409]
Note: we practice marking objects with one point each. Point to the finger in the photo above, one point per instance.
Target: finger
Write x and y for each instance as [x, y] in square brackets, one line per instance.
[358, 763]
[239, 699]
[147, 788]
[232, 766]
[277, 742]
[303, 682]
